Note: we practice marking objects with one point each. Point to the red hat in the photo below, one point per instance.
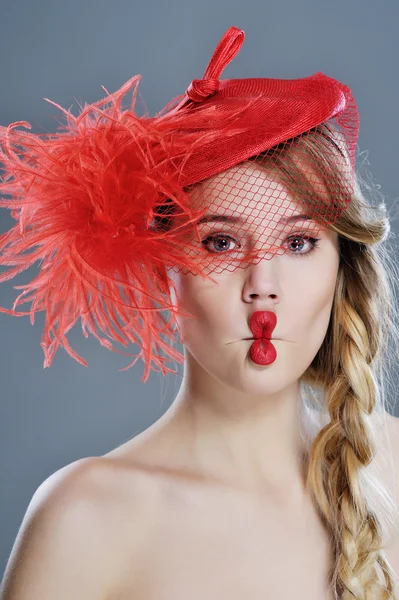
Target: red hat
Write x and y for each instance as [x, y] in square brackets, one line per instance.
[256, 113]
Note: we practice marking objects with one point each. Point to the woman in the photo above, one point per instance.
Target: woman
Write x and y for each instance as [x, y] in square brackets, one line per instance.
[271, 475]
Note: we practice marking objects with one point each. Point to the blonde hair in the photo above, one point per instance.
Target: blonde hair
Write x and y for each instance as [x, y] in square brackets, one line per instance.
[345, 385]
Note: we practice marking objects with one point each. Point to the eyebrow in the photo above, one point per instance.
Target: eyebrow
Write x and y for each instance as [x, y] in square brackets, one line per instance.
[232, 219]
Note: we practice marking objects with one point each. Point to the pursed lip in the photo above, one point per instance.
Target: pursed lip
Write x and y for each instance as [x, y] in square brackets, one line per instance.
[260, 338]
[262, 323]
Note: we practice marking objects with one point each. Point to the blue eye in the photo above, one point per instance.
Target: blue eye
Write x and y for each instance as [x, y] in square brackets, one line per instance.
[314, 242]
[298, 236]
[206, 242]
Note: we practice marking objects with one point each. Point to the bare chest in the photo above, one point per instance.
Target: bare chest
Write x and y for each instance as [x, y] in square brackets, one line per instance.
[210, 546]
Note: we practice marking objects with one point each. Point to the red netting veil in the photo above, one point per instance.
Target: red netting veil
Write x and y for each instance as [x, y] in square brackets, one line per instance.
[112, 199]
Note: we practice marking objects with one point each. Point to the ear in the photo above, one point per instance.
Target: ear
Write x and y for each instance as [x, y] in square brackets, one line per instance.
[164, 280]
[173, 296]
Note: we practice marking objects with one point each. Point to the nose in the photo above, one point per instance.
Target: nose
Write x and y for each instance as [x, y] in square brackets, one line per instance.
[262, 284]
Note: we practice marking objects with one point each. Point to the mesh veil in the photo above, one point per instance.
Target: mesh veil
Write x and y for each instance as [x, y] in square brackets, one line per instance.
[112, 200]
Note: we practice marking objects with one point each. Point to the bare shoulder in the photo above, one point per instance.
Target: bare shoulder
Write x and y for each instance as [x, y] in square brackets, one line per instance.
[393, 421]
[392, 426]
[393, 432]
[388, 461]
[66, 546]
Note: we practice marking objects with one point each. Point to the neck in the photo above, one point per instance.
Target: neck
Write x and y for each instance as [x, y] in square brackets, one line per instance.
[246, 441]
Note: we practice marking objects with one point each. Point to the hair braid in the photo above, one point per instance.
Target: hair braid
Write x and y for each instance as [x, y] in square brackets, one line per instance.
[348, 444]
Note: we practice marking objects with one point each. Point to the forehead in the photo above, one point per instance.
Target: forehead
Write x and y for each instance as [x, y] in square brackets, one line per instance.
[248, 190]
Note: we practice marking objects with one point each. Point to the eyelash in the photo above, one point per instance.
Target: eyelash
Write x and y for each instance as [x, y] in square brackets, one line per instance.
[313, 241]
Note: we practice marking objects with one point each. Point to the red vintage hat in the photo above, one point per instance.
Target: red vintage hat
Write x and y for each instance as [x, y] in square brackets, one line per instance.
[112, 199]
[257, 113]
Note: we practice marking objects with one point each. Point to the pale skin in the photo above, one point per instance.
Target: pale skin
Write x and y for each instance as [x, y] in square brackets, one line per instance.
[210, 502]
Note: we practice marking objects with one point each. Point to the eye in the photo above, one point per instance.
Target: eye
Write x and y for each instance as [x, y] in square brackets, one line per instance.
[218, 236]
[223, 240]
[314, 242]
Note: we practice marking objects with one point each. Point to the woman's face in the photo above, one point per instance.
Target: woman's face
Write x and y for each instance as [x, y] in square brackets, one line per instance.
[298, 286]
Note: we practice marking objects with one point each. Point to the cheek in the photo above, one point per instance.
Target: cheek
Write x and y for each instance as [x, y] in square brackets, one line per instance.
[195, 298]
[214, 321]
[311, 306]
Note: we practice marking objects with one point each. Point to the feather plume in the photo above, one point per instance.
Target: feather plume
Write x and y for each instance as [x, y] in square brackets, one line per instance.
[83, 199]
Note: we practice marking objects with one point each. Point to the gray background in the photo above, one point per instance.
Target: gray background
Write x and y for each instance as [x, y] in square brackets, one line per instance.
[66, 51]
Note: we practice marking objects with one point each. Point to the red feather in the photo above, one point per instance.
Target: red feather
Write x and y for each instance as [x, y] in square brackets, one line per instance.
[83, 198]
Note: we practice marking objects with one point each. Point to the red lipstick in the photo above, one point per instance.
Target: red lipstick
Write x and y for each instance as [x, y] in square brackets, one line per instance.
[262, 323]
